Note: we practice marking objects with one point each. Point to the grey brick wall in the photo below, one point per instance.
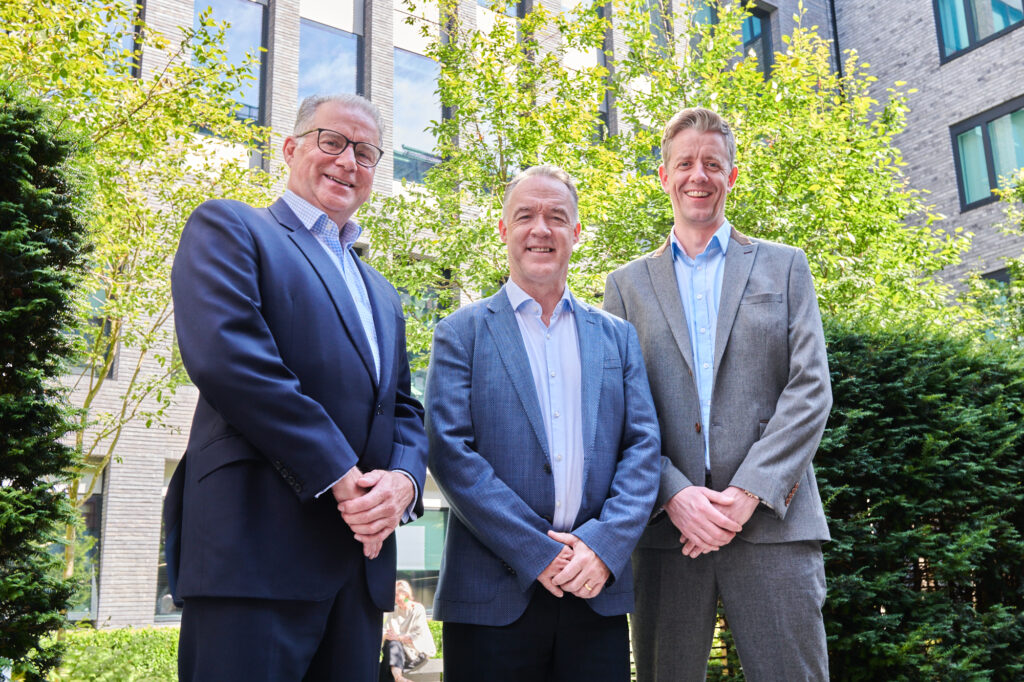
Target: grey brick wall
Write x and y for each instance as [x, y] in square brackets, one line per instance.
[900, 42]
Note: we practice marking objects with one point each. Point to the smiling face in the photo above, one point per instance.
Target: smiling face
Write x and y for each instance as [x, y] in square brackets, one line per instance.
[540, 228]
[337, 185]
[697, 178]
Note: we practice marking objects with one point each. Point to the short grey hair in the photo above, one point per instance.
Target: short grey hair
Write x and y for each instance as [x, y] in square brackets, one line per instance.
[307, 110]
[548, 171]
[702, 120]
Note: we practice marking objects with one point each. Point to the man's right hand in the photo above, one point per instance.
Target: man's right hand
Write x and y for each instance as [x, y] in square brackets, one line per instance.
[554, 568]
[348, 489]
[702, 527]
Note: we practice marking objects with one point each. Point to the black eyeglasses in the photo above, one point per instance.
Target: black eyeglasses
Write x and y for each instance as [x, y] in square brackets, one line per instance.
[334, 143]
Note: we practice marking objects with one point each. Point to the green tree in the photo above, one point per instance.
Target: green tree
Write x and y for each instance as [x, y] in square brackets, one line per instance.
[158, 114]
[41, 260]
[818, 168]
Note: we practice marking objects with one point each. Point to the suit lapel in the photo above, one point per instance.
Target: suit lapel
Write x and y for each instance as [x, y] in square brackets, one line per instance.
[331, 278]
[383, 320]
[509, 341]
[663, 281]
[739, 259]
[591, 376]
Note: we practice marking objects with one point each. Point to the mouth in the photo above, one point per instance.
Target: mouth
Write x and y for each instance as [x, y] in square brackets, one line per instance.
[697, 194]
[339, 181]
[540, 249]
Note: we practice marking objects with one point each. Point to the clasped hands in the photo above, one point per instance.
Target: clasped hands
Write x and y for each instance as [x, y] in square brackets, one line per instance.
[372, 504]
[577, 569]
[707, 519]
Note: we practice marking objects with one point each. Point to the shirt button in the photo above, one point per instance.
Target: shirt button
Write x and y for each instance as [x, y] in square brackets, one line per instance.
[706, 366]
[557, 415]
[700, 297]
[558, 458]
[703, 330]
[552, 374]
[558, 504]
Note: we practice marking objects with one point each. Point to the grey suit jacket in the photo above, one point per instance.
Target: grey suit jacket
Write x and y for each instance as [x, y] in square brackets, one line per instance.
[771, 395]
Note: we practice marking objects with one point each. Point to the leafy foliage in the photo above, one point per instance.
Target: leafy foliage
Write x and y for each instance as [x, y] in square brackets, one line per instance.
[122, 655]
[140, 100]
[921, 468]
[818, 168]
[41, 260]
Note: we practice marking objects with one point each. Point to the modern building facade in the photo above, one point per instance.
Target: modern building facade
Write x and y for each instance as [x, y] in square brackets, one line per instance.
[966, 127]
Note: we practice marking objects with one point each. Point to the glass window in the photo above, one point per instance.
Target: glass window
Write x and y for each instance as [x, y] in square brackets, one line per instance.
[417, 103]
[245, 36]
[510, 8]
[328, 60]
[964, 23]
[420, 545]
[165, 608]
[989, 148]
[757, 37]
[87, 547]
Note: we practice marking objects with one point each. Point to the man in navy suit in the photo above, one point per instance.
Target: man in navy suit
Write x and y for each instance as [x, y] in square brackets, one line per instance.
[544, 439]
[306, 449]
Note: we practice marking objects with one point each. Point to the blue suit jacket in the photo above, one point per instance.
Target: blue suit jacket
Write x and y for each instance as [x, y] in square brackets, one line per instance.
[489, 455]
[288, 402]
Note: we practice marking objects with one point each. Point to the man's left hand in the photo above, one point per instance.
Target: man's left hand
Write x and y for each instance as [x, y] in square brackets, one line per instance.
[586, 574]
[375, 515]
[742, 507]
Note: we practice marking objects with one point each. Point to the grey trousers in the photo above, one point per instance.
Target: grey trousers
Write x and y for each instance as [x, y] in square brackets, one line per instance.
[772, 595]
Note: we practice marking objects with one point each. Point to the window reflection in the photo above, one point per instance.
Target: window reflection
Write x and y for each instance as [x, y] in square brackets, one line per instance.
[417, 103]
[328, 60]
[244, 36]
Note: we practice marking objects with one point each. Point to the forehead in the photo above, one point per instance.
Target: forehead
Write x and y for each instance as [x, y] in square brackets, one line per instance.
[540, 191]
[692, 142]
[351, 122]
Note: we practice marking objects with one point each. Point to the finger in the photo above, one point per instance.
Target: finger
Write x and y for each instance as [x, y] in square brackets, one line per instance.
[553, 589]
[371, 478]
[565, 538]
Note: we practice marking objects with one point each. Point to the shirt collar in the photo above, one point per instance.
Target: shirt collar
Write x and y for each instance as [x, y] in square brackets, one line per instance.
[719, 238]
[517, 297]
[309, 214]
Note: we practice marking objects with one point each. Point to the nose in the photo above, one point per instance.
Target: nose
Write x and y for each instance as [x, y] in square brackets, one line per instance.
[700, 171]
[347, 158]
[541, 227]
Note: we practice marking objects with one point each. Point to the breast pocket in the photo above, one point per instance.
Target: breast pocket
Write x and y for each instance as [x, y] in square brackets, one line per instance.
[755, 299]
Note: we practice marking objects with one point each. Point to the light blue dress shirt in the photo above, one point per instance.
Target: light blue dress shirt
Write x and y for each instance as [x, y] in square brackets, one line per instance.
[554, 353]
[310, 215]
[700, 289]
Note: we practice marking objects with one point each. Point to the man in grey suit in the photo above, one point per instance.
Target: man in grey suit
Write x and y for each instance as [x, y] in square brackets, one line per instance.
[733, 342]
[544, 440]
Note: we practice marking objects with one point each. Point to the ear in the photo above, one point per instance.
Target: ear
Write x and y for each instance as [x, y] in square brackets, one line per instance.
[576, 233]
[732, 176]
[288, 149]
[663, 175]
[503, 231]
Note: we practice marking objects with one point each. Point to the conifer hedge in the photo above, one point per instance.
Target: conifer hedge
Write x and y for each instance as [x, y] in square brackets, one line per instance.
[41, 240]
[922, 473]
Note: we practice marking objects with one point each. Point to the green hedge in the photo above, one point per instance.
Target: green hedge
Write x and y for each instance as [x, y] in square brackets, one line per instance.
[125, 655]
[921, 469]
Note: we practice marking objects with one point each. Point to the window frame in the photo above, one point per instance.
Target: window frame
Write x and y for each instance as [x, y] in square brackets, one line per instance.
[973, 42]
[983, 120]
[765, 18]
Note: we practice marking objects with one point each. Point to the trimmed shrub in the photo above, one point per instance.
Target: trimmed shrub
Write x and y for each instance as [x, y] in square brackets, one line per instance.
[40, 260]
[123, 655]
[921, 470]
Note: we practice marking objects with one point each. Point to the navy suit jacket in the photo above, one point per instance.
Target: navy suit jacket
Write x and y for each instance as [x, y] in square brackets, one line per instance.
[288, 402]
[489, 455]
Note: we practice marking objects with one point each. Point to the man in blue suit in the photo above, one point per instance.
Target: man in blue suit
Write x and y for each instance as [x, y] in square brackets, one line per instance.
[298, 351]
[544, 439]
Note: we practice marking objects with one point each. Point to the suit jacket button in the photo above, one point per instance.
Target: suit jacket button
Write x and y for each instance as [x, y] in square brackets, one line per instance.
[547, 467]
[697, 427]
[380, 409]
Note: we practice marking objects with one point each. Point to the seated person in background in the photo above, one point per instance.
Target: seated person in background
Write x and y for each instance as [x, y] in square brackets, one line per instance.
[407, 639]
